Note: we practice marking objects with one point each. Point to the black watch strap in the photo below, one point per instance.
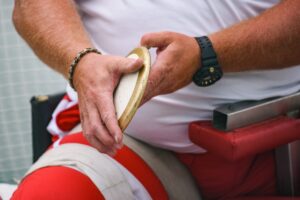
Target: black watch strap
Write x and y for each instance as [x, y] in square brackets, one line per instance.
[207, 48]
[210, 70]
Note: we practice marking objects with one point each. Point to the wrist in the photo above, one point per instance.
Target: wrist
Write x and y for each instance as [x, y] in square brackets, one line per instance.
[84, 72]
[81, 57]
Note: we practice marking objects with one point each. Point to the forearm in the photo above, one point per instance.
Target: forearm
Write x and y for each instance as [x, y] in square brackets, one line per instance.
[53, 30]
[269, 41]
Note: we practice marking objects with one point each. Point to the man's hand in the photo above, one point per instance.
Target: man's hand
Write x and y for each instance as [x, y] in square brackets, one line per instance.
[178, 58]
[95, 79]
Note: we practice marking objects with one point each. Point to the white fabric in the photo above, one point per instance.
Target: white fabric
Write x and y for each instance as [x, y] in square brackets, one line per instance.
[164, 164]
[116, 28]
[7, 190]
[173, 174]
[53, 127]
[112, 179]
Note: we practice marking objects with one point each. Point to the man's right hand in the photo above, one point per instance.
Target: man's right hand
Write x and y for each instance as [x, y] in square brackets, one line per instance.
[95, 77]
[95, 80]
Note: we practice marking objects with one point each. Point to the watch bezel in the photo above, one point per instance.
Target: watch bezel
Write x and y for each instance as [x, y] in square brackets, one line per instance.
[206, 76]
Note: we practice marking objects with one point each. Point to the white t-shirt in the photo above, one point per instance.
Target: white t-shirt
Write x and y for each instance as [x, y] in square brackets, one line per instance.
[116, 28]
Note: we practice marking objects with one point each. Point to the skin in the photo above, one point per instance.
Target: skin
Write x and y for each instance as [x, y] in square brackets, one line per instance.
[269, 41]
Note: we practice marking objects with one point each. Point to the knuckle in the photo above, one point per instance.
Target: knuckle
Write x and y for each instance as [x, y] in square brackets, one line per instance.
[91, 93]
[118, 67]
[101, 97]
[168, 33]
[99, 147]
[88, 134]
[89, 137]
[125, 62]
[107, 116]
[107, 141]
[92, 130]
[145, 38]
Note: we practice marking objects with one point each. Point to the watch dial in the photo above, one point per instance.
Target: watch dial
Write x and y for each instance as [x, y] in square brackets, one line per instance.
[207, 76]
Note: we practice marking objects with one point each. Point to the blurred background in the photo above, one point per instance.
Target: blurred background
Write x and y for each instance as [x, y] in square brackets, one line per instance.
[22, 75]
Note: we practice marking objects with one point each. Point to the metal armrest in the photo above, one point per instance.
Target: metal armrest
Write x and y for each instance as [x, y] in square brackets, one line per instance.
[231, 116]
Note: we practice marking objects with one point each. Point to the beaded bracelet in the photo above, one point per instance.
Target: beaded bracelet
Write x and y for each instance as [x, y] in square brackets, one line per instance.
[76, 61]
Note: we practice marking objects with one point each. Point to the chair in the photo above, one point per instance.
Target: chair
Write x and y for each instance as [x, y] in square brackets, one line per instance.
[225, 136]
[251, 127]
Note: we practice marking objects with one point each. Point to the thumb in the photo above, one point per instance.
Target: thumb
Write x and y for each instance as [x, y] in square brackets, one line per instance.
[153, 82]
[129, 65]
[160, 39]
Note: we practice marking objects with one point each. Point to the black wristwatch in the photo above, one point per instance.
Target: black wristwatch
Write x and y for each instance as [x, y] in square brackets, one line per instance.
[210, 71]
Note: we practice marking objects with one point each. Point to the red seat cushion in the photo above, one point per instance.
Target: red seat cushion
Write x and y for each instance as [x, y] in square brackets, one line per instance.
[247, 141]
[220, 179]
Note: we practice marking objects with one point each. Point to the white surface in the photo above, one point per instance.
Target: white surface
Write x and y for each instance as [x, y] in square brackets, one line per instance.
[6, 191]
[164, 120]
[125, 90]
[111, 178]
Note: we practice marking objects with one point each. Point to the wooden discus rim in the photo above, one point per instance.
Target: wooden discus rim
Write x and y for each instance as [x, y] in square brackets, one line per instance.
[139, 89]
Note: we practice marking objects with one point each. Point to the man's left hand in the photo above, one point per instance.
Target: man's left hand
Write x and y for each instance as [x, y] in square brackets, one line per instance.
[178, 58]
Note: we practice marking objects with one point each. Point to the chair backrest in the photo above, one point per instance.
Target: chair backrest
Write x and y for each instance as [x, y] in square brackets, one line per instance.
[42, 108]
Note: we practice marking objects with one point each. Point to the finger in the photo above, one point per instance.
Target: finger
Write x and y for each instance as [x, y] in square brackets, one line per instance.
[160, 39]
[100, 146]
[93, 125]
[128, 65]
[152, 84]
[103, 135]
[97, 144]
[108, 115]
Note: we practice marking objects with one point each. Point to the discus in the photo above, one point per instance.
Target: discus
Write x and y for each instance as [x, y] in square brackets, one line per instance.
[130, 90]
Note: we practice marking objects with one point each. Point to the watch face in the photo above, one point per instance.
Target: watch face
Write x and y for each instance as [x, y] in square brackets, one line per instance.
[207, 76]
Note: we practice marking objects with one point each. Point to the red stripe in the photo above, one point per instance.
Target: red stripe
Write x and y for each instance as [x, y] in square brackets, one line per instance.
[66, 97]
[68, 119]
[133, 163]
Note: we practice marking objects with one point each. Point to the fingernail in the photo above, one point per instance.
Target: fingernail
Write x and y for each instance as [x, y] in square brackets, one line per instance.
[135, 59]
[116, 139]
[119, 146]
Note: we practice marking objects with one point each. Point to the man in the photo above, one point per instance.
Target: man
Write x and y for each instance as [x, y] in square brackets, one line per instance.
[256, 43]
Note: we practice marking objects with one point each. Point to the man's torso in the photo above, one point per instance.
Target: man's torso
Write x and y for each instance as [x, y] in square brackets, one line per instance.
[116, 28]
